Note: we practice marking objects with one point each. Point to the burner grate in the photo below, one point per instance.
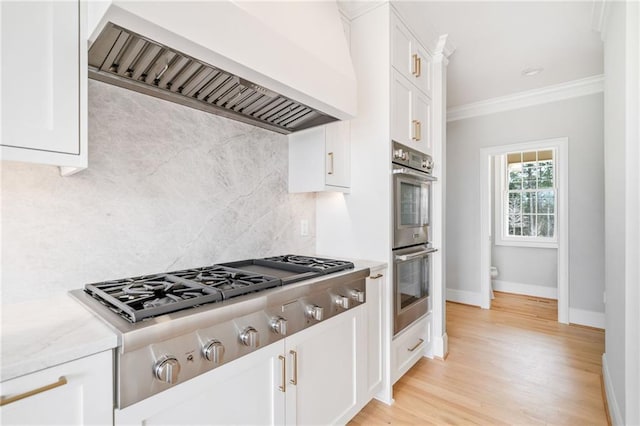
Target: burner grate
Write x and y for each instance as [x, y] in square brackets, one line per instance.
[229, 281]
[308, 263]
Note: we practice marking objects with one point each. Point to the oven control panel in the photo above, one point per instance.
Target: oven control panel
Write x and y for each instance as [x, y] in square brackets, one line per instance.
[409, 157]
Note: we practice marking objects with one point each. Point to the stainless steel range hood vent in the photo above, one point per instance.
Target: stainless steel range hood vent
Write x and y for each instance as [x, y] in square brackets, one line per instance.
[128, 60]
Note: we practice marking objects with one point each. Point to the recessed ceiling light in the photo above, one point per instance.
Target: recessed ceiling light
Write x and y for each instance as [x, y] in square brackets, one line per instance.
[528, 72]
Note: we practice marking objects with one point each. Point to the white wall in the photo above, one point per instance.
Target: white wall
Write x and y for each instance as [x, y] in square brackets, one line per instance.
[621, 362]
[579, 119]
[167, 187]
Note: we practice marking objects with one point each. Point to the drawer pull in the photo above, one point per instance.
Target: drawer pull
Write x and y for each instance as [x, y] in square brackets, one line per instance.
[8, 400]
[420, 342]
[294, 379]
[375, 277]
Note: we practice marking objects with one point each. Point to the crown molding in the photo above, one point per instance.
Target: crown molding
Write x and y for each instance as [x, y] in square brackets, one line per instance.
[554, 93]
[444, 46]
[351, 9]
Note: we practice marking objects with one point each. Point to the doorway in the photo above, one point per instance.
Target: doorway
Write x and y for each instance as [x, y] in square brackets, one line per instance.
[538, 151]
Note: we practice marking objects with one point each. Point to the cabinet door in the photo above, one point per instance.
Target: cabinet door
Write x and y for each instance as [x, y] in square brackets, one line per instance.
[375, 288]
[422, 75]
[338, 154]
[82, 395]
[401, 47]
[421, 122]
[43, 83]
[245, 391]
[401, 107]
[323, 370]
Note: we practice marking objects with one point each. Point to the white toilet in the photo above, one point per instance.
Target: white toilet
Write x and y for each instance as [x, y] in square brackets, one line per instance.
[494, 275]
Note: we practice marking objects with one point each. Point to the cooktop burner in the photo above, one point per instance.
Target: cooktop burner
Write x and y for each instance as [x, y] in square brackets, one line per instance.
[139, 298]
[324, 266]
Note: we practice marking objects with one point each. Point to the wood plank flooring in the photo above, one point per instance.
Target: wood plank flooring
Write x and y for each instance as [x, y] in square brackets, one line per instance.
[531, 306]
[503, 368]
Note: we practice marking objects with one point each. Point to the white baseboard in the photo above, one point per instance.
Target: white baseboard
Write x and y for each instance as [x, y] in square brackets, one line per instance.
[614, 408]
[526, 289]
[588, 318]
[464, 296]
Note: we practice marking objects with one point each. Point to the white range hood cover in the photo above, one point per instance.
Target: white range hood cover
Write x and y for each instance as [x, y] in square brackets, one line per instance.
[297, 49]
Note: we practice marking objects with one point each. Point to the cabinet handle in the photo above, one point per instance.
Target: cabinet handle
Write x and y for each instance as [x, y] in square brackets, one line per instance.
[331, 163]
[420, 341]
[414, 68]
[415, 136]
[419, 130]
[8, 400]
[294, 379]
[283, 361]
[419, 60]
[375, 277]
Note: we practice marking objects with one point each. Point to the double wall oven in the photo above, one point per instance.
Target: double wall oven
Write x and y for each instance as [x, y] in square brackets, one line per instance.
[412, 248]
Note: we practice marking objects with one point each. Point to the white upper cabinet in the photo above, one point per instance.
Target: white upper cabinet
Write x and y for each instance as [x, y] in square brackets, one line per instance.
[409, 57]
[410, 114]
[320, 158]
[44, 83]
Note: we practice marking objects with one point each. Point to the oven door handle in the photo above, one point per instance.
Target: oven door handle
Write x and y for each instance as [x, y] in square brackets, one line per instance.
[422, 176]
[421, 253]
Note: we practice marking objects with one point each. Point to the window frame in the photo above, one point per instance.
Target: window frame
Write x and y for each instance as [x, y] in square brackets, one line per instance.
[501, 192]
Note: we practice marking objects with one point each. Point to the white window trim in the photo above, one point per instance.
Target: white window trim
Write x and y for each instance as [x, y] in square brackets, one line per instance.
[560, 173]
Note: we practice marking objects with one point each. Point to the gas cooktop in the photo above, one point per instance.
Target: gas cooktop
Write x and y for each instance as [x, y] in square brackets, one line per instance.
[139, 298]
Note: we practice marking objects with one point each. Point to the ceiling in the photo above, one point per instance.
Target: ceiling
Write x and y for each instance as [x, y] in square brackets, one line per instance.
[496, 41]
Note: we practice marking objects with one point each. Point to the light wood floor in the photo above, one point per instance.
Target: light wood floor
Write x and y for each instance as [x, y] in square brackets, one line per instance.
[503, 367]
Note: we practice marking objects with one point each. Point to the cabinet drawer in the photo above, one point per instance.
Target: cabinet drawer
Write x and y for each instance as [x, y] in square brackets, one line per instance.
[409, 346]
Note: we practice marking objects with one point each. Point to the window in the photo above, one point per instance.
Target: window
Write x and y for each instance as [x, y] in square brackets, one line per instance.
[528, 183]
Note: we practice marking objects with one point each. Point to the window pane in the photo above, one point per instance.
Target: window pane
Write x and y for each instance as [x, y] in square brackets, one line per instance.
[515, 210]
[552, 228]
[515, 176]
[514, 158]
[529, 156]
[546, 202]
[529, 176]
[528, 225]
[545, 174]
[528, 202]
[542, 229]
[545, 155]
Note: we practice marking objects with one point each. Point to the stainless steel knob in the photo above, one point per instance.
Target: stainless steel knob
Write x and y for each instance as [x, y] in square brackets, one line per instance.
[397, 154]
[279, 325]
[213, 351]
[357, 295]
[249, 337]
[315, 312]
[343, 302]
[167, 369]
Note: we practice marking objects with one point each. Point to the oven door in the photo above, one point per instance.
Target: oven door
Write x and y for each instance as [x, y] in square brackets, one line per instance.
[411, 212]
[411, 285]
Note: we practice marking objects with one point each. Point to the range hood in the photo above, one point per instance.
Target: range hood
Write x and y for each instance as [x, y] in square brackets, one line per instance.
[270, 76]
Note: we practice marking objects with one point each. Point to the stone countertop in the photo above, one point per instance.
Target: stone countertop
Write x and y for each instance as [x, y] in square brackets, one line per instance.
[39, 334]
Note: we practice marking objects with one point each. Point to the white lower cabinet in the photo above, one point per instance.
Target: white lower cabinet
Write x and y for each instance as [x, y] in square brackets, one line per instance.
[328, 359]
[311, 377]
[245, 391]
[79, 392]
[409, 346]
[375, 331]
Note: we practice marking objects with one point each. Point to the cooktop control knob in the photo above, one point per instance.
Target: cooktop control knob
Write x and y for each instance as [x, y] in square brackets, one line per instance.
[315, 312]
[343, 302]
[213, 351]
[249, 337]
[398, 154]
[167, 369]
[279, 325]
[357, 295]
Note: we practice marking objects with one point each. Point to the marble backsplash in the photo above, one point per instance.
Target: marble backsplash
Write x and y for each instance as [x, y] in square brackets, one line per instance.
[167, 187]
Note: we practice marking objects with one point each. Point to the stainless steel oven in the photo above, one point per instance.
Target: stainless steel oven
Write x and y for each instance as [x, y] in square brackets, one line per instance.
[411, 248]
[411, 196]
[411, 285]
